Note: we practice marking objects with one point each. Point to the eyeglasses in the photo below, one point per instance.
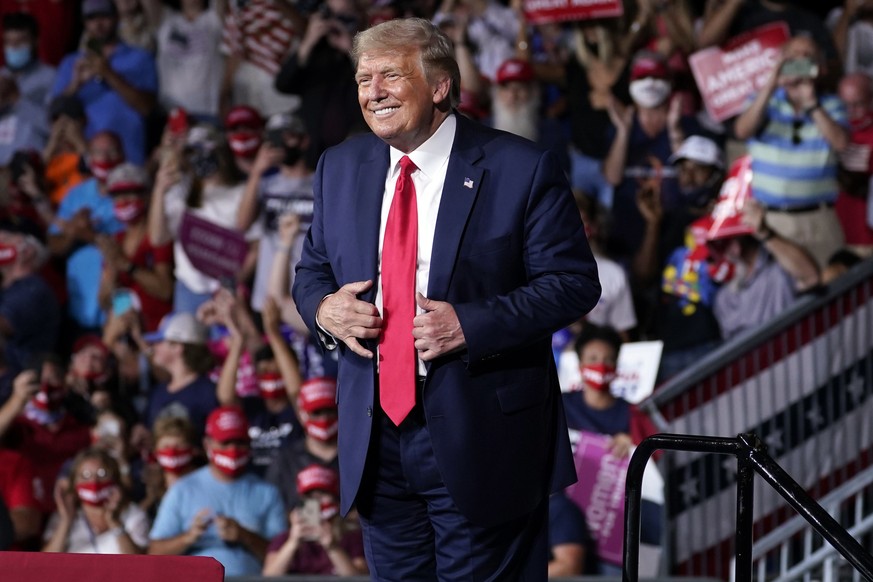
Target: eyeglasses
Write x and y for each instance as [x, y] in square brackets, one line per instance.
[88, 474]
[796, 126]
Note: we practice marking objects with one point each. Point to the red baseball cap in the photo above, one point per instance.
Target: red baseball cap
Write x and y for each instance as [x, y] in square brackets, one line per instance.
[90, 340]
[318, 477]
[647, 64]
[243, 115]
[318, 393]
[514, 70]
[227, 423]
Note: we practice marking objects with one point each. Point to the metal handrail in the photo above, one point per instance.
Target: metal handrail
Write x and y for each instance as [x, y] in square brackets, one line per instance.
[752, 456]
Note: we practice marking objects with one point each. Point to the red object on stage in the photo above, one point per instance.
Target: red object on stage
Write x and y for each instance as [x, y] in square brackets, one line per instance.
[42, 567]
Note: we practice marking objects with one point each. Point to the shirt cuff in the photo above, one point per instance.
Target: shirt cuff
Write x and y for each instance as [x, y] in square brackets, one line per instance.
[326, 338]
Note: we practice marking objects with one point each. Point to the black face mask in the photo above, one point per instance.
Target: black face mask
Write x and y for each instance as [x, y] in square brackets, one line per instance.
[292, 155]
[203, 163]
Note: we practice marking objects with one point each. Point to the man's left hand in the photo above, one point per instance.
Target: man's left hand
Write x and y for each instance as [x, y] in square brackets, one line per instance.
[437, 331]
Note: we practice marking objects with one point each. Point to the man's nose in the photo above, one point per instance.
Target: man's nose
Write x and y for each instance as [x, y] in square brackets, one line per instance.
[375, 90]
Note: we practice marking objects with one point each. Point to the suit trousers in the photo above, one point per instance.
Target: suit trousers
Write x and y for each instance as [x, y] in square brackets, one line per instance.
[414, 532]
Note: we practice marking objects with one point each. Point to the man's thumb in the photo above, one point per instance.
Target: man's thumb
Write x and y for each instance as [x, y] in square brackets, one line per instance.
[357, 287]
[423, 302]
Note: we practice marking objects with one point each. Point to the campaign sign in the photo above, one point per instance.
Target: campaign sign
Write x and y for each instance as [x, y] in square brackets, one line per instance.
[600, 493]
[728, 74]
[544, 11]
[214, 250]
[637, 370]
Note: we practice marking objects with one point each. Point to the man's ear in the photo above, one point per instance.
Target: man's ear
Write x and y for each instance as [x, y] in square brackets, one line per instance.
[441, 89]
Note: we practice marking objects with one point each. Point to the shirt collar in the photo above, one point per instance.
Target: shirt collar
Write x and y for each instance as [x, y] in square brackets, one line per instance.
[430, 156]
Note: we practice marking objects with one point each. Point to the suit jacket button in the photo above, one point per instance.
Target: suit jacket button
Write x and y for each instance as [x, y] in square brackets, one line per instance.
[370, 411]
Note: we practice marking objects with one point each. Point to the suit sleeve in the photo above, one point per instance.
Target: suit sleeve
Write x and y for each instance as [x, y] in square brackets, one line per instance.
[562, 283]
[314, 278]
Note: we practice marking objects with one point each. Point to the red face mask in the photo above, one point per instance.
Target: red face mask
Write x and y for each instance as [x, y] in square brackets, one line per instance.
[322, 429]
[8, 254]
[598, 376]
[722, 271]
[174, 459]
[129, 211]
[94, 493]
[100, 170]
[329, 508]
[244, 143]
[232, 462]
[50, 397]
[271, 385]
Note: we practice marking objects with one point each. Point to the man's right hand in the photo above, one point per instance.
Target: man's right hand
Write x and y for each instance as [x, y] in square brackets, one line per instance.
[349, 319]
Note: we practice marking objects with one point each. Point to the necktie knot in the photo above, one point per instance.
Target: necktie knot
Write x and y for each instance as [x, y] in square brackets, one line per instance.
[407, 167]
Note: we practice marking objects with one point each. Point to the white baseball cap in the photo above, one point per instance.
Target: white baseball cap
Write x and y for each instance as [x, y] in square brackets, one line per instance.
[701, 150]
[179, 327]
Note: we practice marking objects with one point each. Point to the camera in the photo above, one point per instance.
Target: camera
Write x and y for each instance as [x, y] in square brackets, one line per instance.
[802, 68]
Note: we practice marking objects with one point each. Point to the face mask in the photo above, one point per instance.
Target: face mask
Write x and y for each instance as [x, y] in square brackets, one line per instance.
[17, 58]
[271, 385]
[8, 254]
[244, 144]
[722, 271]
[50, 397]
[699, 196]
[598, 376]
[232, 462]
[174, 459]
[322, 429]
[292, 155]
[100, 170]
[203, 163]
[329, 509]
[95, 493]
[129, 211]
[649, 92]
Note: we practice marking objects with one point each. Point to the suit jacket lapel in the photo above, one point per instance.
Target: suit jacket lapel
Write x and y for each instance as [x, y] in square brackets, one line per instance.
[367, 215]
[463, 181]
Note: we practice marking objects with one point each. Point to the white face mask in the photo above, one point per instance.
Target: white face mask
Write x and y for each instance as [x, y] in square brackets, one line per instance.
[650, 92]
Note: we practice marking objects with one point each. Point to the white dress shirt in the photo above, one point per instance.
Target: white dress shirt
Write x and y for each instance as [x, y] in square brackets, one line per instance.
[432, 160]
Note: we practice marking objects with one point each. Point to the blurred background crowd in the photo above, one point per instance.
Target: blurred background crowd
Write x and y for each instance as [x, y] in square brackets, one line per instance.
[148, 404]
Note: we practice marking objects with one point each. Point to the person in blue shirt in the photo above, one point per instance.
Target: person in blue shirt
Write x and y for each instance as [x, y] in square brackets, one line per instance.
[221, 510]
[86, 213]
[117, 83]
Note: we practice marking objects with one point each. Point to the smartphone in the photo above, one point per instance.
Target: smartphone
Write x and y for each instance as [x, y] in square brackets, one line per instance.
[94, 45]
[177, 121]
[310, 514]
[801, 68]
[123, 300]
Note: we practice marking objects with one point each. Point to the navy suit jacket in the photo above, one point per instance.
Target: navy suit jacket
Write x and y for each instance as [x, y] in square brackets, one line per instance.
[511, 256]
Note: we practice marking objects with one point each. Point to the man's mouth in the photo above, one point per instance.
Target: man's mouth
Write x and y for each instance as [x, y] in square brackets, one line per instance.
[385, 111]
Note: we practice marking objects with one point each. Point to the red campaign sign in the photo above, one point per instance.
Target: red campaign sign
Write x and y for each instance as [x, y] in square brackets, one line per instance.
[545, 11]
[213, 250]
[599, 493]
[728, 74]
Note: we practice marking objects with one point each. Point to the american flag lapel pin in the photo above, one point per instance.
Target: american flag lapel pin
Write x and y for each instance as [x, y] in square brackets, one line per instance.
[468, 183]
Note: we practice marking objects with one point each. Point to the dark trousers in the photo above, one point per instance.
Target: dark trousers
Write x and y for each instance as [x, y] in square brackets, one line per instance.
[414, 532]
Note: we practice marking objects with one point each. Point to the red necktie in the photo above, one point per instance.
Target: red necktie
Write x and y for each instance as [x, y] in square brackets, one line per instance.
[397, 358]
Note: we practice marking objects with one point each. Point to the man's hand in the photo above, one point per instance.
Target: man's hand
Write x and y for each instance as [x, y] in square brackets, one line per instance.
[437, 331]
[199, 524]
[228, 529]
[349, 319]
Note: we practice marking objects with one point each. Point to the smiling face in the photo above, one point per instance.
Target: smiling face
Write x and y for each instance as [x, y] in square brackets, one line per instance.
[398, 101]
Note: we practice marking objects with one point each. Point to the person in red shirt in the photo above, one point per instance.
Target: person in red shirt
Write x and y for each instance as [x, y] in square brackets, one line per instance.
[19, 494]
[856, 164]
[34, 422]
[132, 264]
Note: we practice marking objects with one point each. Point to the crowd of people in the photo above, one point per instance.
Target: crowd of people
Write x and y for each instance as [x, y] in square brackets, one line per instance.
[150, 405]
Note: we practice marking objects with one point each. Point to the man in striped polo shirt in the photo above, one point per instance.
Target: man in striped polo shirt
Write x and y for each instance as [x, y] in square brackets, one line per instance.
[794, 134]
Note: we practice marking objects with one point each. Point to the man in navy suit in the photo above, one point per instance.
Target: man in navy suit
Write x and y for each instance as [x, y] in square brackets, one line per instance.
[455, 486]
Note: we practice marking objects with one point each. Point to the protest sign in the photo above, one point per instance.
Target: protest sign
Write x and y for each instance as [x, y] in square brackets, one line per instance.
[213, 250]
[544, 11]
[637, 370]
[729, 74]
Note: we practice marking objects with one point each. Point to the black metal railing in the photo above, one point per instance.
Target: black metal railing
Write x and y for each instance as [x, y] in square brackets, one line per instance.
[752, 457]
